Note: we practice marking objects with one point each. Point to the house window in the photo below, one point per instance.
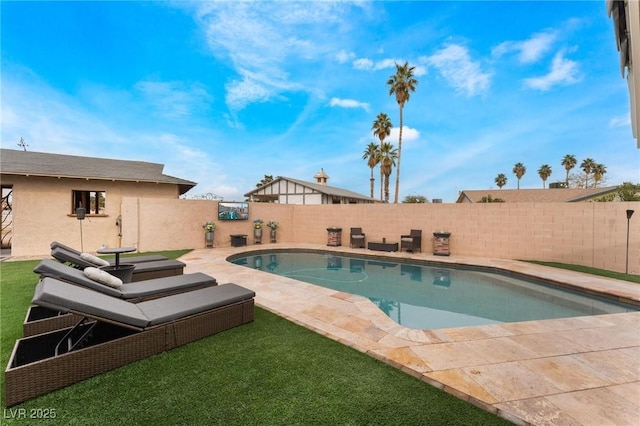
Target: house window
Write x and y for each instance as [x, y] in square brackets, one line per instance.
[92, 201]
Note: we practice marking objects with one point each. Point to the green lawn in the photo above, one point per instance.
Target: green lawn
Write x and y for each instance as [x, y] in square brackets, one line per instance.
[268, 372]
[589, 270]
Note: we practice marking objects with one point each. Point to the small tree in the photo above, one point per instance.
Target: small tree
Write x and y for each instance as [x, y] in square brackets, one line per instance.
[490, 199]
[629, 192]
[415, 199]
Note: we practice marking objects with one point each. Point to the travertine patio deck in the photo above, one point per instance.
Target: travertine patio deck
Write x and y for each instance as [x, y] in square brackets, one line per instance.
[573, 371]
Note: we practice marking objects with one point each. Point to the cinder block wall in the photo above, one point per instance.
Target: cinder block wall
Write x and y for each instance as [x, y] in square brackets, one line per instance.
[590, 234]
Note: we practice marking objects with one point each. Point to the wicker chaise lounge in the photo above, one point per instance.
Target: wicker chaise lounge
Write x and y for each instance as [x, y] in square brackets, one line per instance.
[142, 270]
[123, 332]
[129, 259]
[41, 320]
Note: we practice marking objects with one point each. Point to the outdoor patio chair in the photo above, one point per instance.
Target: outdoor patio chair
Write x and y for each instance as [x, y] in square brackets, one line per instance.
[114, 332]
[411, 242]
[357, 238]
[41, 320]
[142, 271]
[128, 259]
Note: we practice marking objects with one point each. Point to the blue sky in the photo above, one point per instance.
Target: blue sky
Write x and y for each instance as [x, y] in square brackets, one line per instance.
[224, 93]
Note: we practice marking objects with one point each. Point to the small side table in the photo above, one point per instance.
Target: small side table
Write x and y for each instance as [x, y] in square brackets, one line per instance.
[238, 240]
[124, 271]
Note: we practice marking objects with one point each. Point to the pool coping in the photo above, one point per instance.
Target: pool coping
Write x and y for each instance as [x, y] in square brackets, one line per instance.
[582, 370]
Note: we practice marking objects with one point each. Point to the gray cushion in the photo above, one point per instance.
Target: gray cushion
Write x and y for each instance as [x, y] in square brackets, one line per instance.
[357, 236]
[75, 259]
[61, 296]
[164, 285]
[181, 305]
[54, 269]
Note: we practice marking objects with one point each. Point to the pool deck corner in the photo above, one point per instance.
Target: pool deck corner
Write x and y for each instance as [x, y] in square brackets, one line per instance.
[570, 371]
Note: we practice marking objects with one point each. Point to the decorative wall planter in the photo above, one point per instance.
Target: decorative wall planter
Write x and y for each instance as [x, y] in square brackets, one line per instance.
[208, 238]
[273, 235]
[257, 235]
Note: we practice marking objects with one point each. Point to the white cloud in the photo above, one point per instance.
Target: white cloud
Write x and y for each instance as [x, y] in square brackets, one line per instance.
[348, 103]
[563, 72]
[367, 64]
[174, 99]
[260, 39]
[344, 56]
[455, 65]
[620, 121]
[529, 50]
[408, 135]
[363, 64]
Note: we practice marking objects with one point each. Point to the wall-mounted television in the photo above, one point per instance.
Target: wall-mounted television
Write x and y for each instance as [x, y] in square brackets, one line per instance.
[233, 210]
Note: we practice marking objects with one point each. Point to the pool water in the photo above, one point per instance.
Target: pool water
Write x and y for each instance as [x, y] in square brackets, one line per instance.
[430, 297]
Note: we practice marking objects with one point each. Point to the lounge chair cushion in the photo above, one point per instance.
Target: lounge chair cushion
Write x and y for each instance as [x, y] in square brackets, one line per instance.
[61, 296]
[65, 297]
[407, 239]
[146, 288]
[102, 277]
[94, 259]
[191, 302]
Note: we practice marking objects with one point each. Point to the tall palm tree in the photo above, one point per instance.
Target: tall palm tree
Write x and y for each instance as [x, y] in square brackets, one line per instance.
[371, 155]
[381, 129]
[598, 173]
[501, 180]
[544, 171]
[388, 157]
[402, 83]
[569, 162]
[519, 170]
[587, 166]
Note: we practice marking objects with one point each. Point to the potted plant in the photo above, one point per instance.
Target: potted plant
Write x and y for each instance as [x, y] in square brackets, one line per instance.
[257, 230]
[273, 225]
[209, 227]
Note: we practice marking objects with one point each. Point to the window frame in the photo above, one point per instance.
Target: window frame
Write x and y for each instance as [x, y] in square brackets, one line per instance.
[93, 201]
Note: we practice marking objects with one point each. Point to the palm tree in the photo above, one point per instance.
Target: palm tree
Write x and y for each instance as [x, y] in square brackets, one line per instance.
[587, 166]
[501, 180]
[569, 162]
[519, 170]
[401, 84]
[371, 155]
[388, 157]
[598, 173]
[544, 171]
[381, 129]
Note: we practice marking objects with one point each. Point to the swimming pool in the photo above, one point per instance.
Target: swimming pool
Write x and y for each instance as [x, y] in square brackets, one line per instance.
[431, 296]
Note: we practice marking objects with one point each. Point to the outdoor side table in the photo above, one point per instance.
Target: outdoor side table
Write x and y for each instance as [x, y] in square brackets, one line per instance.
[124, 271]
[238, 240]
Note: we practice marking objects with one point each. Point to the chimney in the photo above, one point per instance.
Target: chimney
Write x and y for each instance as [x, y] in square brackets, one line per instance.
[321, 177]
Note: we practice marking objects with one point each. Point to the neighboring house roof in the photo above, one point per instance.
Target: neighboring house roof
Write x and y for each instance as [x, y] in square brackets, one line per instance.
[548, 195]
[27, 163]
[320, 188]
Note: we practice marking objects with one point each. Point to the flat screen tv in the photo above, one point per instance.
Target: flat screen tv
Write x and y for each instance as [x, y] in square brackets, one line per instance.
[233, 210]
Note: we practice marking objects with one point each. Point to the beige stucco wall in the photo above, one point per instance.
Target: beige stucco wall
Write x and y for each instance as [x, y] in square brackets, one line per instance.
[42, 212]
[591, 234]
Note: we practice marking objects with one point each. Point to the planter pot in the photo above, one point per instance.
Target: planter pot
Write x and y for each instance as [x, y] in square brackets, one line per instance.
[273, 235]
[208, 238]
[257, 235]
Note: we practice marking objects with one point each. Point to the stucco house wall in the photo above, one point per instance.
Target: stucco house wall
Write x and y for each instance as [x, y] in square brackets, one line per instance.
[42, 212]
